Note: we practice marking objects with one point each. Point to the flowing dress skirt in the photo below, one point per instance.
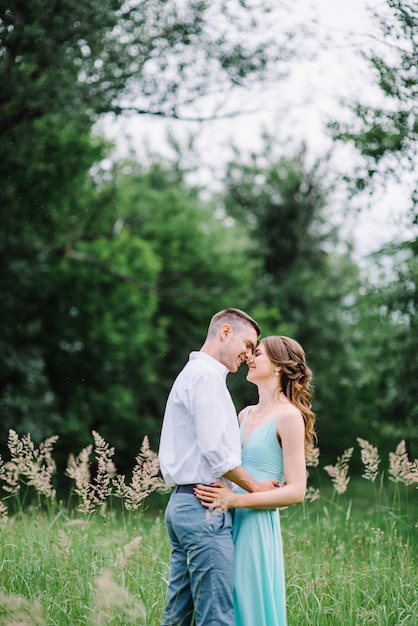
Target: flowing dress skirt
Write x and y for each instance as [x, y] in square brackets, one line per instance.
[259, 596]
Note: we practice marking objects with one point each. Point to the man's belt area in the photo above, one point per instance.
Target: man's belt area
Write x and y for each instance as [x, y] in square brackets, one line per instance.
[187, 488]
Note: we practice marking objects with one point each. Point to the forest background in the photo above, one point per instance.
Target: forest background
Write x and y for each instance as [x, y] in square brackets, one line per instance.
[112, 265]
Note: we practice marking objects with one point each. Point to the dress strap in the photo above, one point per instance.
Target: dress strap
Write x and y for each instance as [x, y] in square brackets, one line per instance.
[242, 425]
[244, 419]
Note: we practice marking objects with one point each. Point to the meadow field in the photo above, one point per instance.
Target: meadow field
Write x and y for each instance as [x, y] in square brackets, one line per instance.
[350, 554]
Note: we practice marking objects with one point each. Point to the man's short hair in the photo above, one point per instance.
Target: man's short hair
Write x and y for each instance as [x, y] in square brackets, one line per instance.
[235, 318]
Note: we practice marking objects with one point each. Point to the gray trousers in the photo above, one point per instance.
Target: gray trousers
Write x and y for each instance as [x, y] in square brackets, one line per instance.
[201, 581]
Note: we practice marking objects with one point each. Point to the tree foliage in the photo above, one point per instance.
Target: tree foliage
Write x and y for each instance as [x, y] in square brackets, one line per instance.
[202, 259]
[305, 281]
[103, 325]
[387, 325]
[386, 135]
[86, 273]
[151, 56]
[110, 274]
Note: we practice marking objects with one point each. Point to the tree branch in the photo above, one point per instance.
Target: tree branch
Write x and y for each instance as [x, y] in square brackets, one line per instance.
[175, 116]
[88, 258]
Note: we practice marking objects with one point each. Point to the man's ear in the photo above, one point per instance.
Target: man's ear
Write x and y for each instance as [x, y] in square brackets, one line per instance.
[226, 330]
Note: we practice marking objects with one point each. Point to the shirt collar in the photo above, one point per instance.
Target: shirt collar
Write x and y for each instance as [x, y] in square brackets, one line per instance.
[217, 365]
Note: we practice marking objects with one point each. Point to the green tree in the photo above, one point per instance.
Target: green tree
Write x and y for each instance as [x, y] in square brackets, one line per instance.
[63, 66]
[305, 283]
[115, 313]
[73, 326]
[150, 56]
[80, 287]
[203, 265]
[386, 135]
[387, 326]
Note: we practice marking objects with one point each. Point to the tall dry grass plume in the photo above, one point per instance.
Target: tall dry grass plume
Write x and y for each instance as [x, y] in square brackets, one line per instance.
[28, 465]
[339, 471]
[129, 551]
[145, 479]
[113, 603]
[370, 458]
[93, 491]
[401, 469]
[16, 610]
[312, 460]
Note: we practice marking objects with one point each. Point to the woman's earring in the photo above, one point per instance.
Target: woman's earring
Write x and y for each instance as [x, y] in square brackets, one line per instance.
[276, 373]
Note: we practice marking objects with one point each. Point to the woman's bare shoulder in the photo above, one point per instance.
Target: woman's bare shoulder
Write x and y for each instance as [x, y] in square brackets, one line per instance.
[289, 413]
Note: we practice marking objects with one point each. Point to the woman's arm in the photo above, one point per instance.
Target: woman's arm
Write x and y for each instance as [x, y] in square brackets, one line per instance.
[220, 497]
[290, 429]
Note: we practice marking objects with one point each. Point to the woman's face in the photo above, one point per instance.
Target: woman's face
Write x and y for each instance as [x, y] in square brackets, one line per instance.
[259, 365]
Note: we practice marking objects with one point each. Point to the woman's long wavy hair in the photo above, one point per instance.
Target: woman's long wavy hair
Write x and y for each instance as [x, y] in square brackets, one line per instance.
[294, 380]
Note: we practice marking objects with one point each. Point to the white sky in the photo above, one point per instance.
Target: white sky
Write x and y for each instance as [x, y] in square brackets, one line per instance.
[297, 108]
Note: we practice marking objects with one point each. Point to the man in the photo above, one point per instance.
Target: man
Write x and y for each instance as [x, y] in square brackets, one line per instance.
[200, 443]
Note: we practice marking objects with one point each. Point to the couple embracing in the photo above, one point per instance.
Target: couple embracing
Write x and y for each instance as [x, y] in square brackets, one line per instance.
[227, 568]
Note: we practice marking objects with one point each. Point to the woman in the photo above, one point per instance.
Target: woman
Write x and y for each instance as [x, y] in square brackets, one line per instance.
[276, 434]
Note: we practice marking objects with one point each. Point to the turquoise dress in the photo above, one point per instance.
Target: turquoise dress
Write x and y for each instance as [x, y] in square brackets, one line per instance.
[259, 596]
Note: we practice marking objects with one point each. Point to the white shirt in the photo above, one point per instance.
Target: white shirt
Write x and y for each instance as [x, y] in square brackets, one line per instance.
[200, 438]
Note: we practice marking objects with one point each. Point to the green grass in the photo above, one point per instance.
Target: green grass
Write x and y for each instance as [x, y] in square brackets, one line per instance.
[351, 565]
[59, 562]
[350, 560]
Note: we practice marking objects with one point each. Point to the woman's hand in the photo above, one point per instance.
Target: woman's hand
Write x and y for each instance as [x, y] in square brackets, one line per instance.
[268, 485]
[217, 496]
